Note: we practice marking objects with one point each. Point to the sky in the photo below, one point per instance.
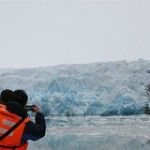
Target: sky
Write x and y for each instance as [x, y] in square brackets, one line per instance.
[50, 32]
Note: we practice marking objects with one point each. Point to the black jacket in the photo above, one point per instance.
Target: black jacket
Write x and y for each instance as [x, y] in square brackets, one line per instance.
[32, 131]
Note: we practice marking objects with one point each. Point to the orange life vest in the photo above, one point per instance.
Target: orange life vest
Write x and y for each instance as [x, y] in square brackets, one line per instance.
[13, 140]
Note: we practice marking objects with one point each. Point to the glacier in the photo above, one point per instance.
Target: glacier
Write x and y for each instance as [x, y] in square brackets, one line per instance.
[97, 89]
[98, 106]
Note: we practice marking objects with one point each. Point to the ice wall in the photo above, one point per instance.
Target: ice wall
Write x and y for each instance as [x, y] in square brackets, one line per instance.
[113, 88]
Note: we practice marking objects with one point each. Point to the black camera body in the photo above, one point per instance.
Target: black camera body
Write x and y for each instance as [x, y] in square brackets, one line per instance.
[29, 107]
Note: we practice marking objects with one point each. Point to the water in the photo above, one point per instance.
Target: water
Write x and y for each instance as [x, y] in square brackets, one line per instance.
[96, 133]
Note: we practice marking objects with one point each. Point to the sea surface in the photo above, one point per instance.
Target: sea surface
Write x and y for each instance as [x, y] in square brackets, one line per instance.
[95, 133]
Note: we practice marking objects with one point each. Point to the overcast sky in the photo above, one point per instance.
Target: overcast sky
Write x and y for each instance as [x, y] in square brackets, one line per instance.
[50, 32]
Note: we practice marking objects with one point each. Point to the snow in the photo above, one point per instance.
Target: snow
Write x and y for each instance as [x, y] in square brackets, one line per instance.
[113, 88]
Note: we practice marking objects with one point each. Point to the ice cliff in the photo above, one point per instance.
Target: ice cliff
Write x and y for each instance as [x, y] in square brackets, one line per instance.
[113, 88]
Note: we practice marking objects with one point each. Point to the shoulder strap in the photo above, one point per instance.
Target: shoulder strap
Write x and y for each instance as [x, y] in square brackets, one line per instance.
[11, 129]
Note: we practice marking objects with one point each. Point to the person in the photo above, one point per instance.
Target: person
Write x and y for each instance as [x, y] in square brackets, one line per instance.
[6, 95]
[15, 113]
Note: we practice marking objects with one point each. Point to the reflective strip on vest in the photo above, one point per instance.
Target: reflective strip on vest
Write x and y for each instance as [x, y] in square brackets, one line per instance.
[8, 123]
[2, 131]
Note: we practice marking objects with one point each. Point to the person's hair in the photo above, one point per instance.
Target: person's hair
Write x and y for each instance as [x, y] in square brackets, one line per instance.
[20, 97]
[6, 96]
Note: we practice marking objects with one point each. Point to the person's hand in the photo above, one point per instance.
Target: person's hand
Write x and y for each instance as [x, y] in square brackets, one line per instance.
[35, 109]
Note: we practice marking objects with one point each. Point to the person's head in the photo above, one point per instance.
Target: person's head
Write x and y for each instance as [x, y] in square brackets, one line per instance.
[6, 96]
[20, 97]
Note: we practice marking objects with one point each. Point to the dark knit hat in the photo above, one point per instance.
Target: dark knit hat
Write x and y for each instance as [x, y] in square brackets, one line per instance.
[20, 97]
[6, 96]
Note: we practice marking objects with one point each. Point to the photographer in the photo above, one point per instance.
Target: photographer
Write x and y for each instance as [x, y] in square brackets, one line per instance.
[5, 96]
[26, 130]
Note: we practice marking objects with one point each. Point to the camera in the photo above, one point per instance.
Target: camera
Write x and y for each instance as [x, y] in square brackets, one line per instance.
[29, 107]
